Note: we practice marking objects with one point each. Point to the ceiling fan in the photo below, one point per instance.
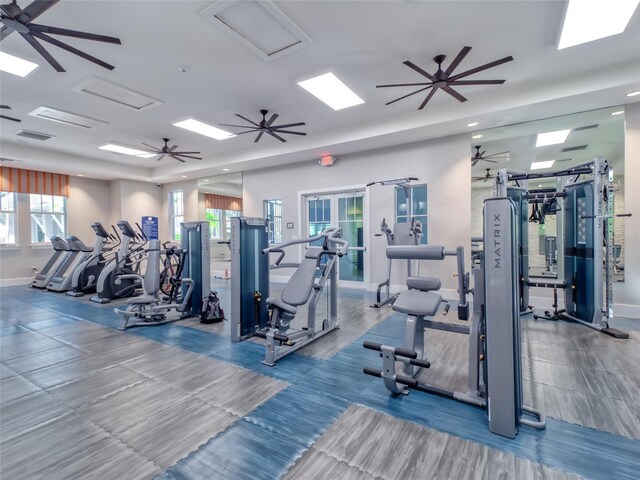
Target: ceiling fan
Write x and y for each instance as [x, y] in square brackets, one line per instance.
[484, 177]
[444, 80]
[171, 151]
[478, 156]
[266, 126]
[16, 19]
[9, 118]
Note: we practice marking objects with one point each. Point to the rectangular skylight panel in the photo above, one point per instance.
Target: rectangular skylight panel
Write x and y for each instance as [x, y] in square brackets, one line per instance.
[126, 150]
[552, 138]
[332, 91]
[15, 65]
[588, 20]
[204, 129]
[541, 165]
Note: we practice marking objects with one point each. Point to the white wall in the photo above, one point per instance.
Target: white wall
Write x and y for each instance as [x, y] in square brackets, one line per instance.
[442, 164]
[88, 202]
[191, 204]
[628, 293]
[134, 200]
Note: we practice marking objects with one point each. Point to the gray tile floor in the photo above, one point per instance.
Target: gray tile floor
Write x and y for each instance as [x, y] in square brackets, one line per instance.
[364, 444]
[91, 402]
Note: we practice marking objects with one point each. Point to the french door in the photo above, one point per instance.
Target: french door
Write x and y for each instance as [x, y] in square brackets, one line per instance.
[346, 211]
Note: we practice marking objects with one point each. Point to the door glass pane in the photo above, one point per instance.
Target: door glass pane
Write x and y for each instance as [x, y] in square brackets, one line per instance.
[401, 202]
[419, 200]
[342, 209]
[351, 266]
[312, 210]
[327, 210]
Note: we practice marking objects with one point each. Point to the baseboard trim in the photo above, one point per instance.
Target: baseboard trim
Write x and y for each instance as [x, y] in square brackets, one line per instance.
[626, 310]
[15, 282]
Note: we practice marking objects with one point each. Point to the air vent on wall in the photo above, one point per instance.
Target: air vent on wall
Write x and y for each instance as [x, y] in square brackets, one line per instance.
[65, 117]
[258, 25]
[586, 127]
[34, 135]
[115, 93]
[573, 149]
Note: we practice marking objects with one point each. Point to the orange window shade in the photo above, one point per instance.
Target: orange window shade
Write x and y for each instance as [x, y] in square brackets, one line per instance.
[222, 202]
[18, 180]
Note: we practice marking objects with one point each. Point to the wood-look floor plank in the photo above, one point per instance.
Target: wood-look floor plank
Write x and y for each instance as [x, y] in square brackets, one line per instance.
[25, 413]
[43, 359]
[317, 465]
[15, 387]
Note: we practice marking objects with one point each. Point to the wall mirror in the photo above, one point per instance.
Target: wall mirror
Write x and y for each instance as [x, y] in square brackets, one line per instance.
[596, 133]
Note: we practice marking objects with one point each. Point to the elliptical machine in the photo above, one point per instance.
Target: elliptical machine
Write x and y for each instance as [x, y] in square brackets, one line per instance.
[127, 262]
[85, 276]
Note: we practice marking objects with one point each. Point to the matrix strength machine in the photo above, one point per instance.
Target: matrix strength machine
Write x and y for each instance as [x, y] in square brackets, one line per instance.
[585, 241]
[495, 370]
[255, 313]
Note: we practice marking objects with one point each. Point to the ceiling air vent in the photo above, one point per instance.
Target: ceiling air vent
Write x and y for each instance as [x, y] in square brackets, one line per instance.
[111, 92]
[573, 149]
[586, 127]
[66, 118]
[9, 160]
[34, 135]
[258, 25]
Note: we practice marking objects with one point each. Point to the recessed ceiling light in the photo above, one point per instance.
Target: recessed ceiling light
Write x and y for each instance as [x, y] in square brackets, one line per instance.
[618, 112]
[225, 169]
[539, 186]
[541, 165]
[15, 65]
[110, 147]
[586, 21]
[149, 180]
[206, 180]
[332, 91]
[472, 124]
[633, 94]
[552, 138]
[183, 176]
[476, 136]
[204, 129]
[81, 175]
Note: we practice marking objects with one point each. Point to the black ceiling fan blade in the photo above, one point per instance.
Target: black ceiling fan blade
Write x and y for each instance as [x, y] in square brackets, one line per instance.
[275, 135]
[40, 49]
[74, 33]
[482, 154]
[10, 118]
[463, 53]
[247, 120]
[272, 119]
[73, 50]
[496, 154]
[408, 95]
[403, 85]
[160, 157]
[413, 66]
[5, 106]
[426, 100]
[11, 9]
[177, 158]
[258, 137]
[290, 132]
[230, 125]
[151, 146]
[453, 93]
[253, 130]
[477, 82]
[170, 150]
[37, 8]
[481, 68]
[185, 156]
[186, 153]
[288, 125]
[474, 161]
[485, 160]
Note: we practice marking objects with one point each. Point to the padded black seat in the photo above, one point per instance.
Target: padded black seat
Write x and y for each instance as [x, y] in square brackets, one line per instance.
[282, 306]
[413, 302]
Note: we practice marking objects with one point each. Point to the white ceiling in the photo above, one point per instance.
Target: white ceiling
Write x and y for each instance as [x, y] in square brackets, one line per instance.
[363, 42]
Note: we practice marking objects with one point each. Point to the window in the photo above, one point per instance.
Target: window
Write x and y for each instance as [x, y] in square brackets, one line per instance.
[176, 213]
[7, 218]
[413, 207]
[273, 214]
[48, 217]
[220, 222]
